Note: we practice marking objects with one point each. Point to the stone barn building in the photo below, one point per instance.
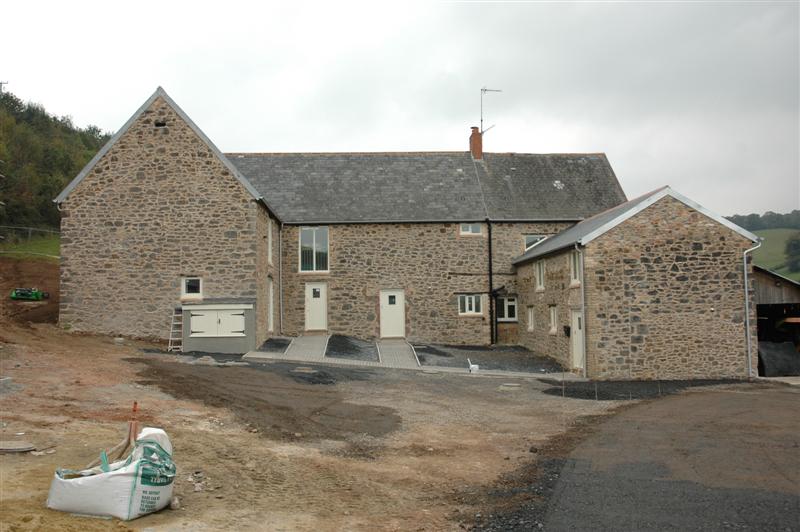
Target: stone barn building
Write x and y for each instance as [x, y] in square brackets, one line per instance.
[164, 236]
[651, 289]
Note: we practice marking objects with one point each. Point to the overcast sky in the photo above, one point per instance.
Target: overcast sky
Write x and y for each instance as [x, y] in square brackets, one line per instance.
[701, 96]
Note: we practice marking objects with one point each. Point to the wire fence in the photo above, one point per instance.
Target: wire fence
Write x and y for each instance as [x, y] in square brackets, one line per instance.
[24, 240]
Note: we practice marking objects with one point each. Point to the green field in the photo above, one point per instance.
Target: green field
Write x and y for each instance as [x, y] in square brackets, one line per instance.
[40, 247]
[771, 254]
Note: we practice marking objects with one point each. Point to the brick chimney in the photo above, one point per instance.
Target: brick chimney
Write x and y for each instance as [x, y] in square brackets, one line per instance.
[476, 144]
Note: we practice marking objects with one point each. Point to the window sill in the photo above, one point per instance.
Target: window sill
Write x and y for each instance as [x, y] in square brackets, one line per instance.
[503, 320]
[470, 315]
[539, 289]
[552, 332]
[191, 299]
[314, 272]
[470, 234]
[574, 284]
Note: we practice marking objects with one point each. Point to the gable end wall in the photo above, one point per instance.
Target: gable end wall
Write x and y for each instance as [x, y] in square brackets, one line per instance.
[159, 205]
[665, 297]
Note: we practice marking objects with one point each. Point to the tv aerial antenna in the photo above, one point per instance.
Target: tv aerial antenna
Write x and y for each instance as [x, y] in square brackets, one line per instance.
[484, 90]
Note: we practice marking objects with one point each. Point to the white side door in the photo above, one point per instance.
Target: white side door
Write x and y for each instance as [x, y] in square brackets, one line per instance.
[393, 314]
[316, 306]
[230, 323]
[576, 336]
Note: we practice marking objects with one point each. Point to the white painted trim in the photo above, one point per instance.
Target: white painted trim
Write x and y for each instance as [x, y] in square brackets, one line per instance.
[666, 191]
[515, 319]
[472, 312]
[186, 295]
[212, 306]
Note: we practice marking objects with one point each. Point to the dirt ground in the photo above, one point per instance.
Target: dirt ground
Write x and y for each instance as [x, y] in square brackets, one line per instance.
[278, 446]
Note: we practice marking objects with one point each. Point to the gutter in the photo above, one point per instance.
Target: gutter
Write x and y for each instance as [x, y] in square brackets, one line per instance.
[583, 309]
[280, 276]
[492, 322]
[748, 334]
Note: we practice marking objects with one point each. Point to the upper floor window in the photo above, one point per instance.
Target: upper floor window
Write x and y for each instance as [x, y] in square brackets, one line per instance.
[553, 319]
[532, 240]
[313, 249]
[575, 268]
[531, 318]
[470, 229]
[269, 240]
[469, 304]
[539, 268]
[192, 288]
[506, 309]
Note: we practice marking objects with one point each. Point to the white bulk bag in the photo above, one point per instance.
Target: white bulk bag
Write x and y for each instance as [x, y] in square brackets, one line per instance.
[127, 489]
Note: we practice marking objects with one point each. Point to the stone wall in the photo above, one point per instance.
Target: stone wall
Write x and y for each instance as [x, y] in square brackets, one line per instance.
[158, 206]
[433, 263]
[557, 291]
[267, 270]
[664, 296]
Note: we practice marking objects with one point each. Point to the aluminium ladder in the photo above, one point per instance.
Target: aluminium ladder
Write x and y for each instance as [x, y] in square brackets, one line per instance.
[176, 331]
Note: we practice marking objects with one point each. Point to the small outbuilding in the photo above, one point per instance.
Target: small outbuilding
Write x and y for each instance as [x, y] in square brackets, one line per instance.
[651, 289]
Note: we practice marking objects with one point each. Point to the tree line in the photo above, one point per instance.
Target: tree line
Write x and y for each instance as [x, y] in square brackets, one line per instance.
[40, 153]
[768, 220]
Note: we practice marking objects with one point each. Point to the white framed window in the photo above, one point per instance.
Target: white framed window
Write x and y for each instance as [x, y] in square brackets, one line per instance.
[191, 288]
[269, 240]
[470, 304]
[271, 307]
[532, 240]
[470, 229]
[506, 309]
[574, 269]
[553, 319]
[531, 318]
[313, 249]
[540, 271]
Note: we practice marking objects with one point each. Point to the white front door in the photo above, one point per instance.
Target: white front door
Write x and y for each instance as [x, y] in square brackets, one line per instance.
[576, 336]
[316, 306]
[393, 314]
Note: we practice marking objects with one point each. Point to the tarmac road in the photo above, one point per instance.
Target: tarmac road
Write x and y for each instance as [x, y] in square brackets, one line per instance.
[716, 459]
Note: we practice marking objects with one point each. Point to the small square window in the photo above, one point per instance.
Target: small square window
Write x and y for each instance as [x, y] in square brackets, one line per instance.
[470, 229]
[315, 293]
[392, 300]
[191, 287]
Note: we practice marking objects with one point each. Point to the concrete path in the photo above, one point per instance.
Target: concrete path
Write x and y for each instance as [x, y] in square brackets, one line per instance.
[394, 354]
[397, 353]
[307, 348]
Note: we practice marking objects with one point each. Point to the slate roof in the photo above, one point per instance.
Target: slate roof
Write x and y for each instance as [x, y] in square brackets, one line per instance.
[430, 186]
[587, 230]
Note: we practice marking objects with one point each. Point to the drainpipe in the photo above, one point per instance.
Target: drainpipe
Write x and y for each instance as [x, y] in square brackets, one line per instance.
[747, 311]
[492, 324]
[280, 276]
[583, 307]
